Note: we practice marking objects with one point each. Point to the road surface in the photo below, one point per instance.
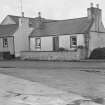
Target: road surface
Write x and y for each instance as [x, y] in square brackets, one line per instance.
[84, 78]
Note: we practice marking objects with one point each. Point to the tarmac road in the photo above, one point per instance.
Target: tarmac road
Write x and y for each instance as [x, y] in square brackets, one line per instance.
[84, 78]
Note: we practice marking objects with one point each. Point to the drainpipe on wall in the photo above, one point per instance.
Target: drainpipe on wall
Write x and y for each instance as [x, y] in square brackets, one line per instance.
[29, 43]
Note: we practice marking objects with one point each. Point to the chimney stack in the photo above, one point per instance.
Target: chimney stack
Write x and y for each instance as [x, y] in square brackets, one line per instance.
[39, 21]
[94, 12]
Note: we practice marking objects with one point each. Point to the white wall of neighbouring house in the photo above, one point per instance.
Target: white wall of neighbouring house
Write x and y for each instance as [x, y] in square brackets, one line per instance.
[97, 40]
[9, 48]
[64, 41]
[46, 44]
[21, 36]
[96, 36]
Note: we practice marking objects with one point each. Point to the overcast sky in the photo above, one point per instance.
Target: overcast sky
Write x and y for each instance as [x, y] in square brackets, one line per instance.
[52, 9]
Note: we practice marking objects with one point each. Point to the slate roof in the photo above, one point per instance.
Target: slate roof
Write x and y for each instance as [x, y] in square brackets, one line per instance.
[8, 30]
[64, 27]
[50, 27]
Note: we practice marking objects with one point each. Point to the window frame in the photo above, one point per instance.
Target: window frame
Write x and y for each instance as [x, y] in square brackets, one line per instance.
[5, 42]
[37, 44]
[72, 41]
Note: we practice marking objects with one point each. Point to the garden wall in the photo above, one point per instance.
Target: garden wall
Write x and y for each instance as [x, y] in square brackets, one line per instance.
[62, 56]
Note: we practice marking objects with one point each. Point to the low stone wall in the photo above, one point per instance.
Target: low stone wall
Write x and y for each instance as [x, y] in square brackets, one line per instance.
[65, 55]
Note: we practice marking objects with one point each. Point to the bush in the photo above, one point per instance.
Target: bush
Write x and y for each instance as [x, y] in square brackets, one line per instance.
[62, 49]
[80, 46]
[98, 53]
[98, 100]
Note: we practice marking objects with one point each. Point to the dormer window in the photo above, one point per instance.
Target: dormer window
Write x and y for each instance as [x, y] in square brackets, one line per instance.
[5, 42]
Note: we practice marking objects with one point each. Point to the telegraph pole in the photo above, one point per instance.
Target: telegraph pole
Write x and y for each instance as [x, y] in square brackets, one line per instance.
[21, 6]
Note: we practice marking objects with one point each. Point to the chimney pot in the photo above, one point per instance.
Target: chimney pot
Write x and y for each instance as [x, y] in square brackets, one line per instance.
[22, 14]
[97, 5]
[39, 14]
[91, 4]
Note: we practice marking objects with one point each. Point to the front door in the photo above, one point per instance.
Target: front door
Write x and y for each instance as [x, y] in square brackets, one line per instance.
[55, 43]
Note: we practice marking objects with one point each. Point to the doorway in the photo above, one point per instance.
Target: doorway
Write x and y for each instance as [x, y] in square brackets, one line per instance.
[55, 43]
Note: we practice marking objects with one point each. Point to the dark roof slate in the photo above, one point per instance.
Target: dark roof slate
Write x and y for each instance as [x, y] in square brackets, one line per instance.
[51, 27]
[64, 27]
[8, 30]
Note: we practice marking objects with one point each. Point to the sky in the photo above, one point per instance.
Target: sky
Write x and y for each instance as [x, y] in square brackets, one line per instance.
[51, 9]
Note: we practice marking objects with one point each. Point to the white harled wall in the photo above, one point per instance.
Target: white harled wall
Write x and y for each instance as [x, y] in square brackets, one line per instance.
[21, 36]
[46, 44]
[97, 40]
[64, 42]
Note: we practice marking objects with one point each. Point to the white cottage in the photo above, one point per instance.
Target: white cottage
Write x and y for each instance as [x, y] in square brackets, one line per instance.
[45, 39]
[14, 32]
[77, 38]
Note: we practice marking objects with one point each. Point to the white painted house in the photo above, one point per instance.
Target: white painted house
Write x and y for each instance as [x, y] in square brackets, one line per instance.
[14, 32]
[77, 37]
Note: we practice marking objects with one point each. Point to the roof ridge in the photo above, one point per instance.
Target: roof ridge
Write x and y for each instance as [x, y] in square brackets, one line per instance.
[65, 20]
[52, 20]
[48, 20]
[14, 16]
[20, 16]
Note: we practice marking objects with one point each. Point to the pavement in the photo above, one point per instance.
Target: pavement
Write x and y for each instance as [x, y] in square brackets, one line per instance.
[92, 64]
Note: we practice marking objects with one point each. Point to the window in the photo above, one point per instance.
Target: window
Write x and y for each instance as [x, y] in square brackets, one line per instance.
[73, 41]
[38, 42]
[5, 42]
[30, 24]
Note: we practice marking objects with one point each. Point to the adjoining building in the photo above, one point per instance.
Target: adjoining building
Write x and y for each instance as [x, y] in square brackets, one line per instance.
[14, 34]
